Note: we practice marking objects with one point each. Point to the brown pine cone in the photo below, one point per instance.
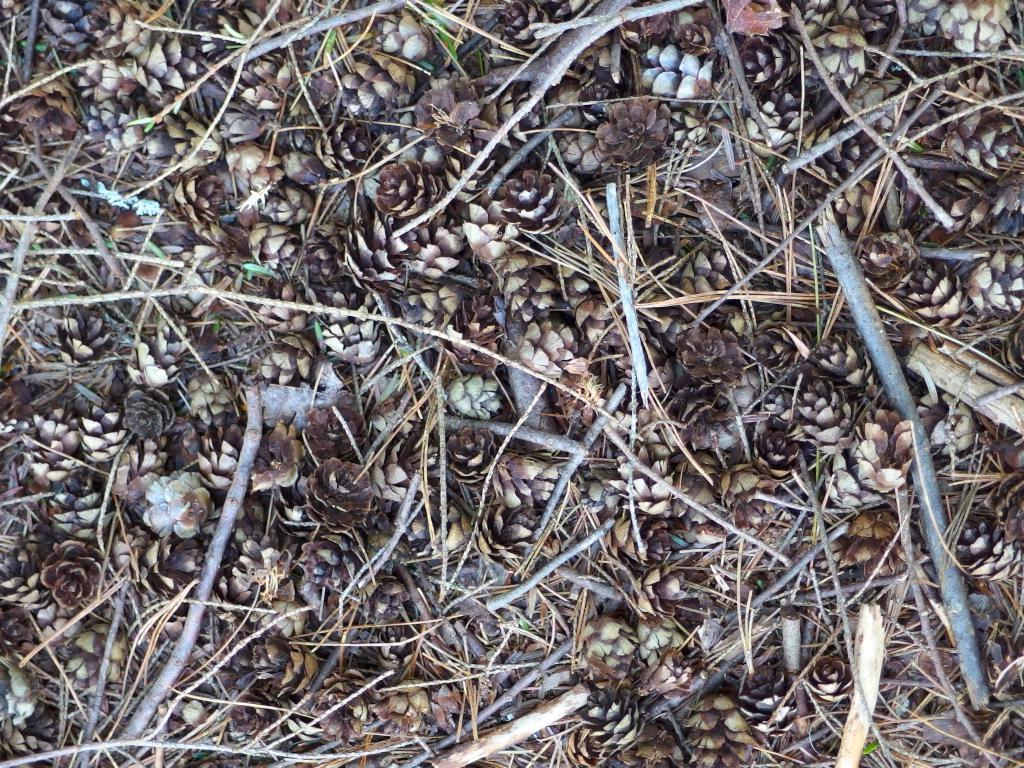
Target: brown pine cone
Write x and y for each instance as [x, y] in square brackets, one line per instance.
[1013, 349]
[169, 565]
[530, 201]
[977, 25]
[339, 496]
[83, 656]
[636, 133]
[177, 503]
[830, 679]
[330, 562]
[775, 452]
[521, 481]
[770, 61]
[72, 573]
[282, 668]
[19, 577]
[719, 734]
[655, 747]
[884, 452]
[82, 338]
[406, 189]
[761, 699]
[278, 459]
[983, 552]
[888, 258]
[842, 50]
[211, 400]
[1008, 206]
[611, 723]
[609, 647]
[102, 434]
[470, 453]
[17, 634]
[405, 37]
[984, 139]
[474, 396]
[375, 85]
[148, 413]
[673, 73]
[326, 436]
[996, 285]
[710, 355]
[866, 542]
[843, 360]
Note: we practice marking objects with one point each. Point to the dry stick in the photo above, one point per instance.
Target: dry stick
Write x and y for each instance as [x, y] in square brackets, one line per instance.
[496, 706]
[25, 242]
[537, 437]
[870, 645]
[405, 515]
[316, 26]
[812, 217]
[911, 178]
[620, 253]
[550, 70]
[30, 41]
[104, 670]
[161, 687]
[496, 603]
[811, 154]
[94, 231]
[933, 515]
[573, 464]
[521, 154]
[521, 728]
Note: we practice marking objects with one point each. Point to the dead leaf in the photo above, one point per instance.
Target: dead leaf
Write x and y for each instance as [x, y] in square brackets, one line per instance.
[747, 17]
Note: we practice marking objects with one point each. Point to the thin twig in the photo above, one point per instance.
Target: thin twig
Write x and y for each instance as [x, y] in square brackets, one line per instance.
[574, 463]
[101, 676]
[620, 252]
[25, 241]
[506, 598]
[520, 156]
[406, 513]
[811, 154]
[30, 41]
[932, 515]
[161, 687]
[913, 182]
[537, 437]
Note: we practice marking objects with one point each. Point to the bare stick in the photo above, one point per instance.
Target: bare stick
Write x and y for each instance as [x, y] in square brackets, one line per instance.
[161, 687]
[496, 603]
[521, 154]
[318, 25]
[573, 464]
[25, 241]
[104, 670]
[622, 264]
[521, 728]
[870, 647]
[913, 182]
[535, 436]
[405, 515]
[932, 514]
[30, 41]
[811, 154]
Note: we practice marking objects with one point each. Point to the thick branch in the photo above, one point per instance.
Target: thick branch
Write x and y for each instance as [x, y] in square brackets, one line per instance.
[161, 687]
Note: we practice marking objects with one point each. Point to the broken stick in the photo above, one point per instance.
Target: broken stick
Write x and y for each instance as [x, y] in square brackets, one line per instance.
[521, 728]
[870, 650]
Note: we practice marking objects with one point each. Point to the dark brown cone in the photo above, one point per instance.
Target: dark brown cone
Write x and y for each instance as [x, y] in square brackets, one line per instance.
[996, 285]
[470, 453]
[17, 634]
[830, 679]
[888, 258]
[282, 668]
[636, 133]
[983, 552]
[72, 573]
[609, 646]
[148, 413]
[278, 459]
[82, 338]
[843, 360]
[530, 201]
[719, 734]
[984, 139]
[406, 189]
[1008, 207]
[331, 562]
[761, 699]
[865, 543]
[710, 355]
[338, 496]
[327, 437]
[775, 451]
[611, 722]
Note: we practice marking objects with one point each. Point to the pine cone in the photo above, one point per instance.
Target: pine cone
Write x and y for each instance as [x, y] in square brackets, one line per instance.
[177, 503]
[474, 397]
[609, 647]
[830, 679]
[375, 85]
[211, 400]
[842, 50]
[429, 304]
[655, 747]
[72, 573]
[866, 542]
[842, 360]
[277, 461]
[710, 355]
[82, 338]
[102, 434]
[611, 722]
[470, 453]
[996, 285]
[331, 562]
[405, 37]
[718, 733]
[783, 115]
[148, 413]
[674, 74]
[530, 201]
[156, 361]
[339, 496]
[83, 656]
[636, 132]
[775, 452]
[770, 61]
[520, 481]
[352, 340]
[1007, 501]
[402, 711]
[549, 348]
[17, 693]
[934, 292]
[72, 25]
[406, 189]
[17, 634]
[218, 458]
[1013, 349]
[888, 258]
[169, 565]
[61, 441]
[1008, 206]
[761, 699]
[984, 139]
[282, 668]
[20, 578]
[329, 437]
[884, 452]
[983, 552]
[977, 25]
[926, 14]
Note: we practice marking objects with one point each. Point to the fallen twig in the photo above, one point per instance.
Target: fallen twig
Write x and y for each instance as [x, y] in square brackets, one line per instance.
[161, 687]
[506, 598]
[620, 253]
[30, 41]
[870, 645]
[933, 515]
[913, 182]
[521, 728]
[25, 241]
[101, 676]
[405, 515]
[537, 437]
[520, 155]
[573, 464]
